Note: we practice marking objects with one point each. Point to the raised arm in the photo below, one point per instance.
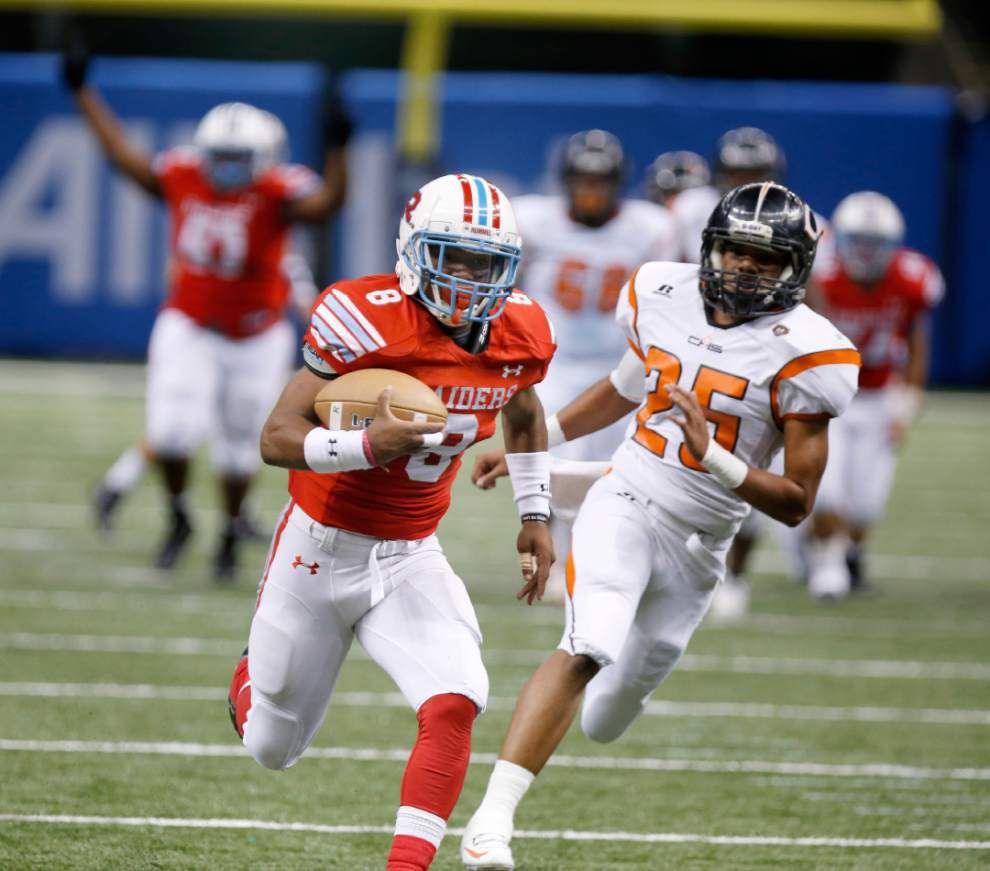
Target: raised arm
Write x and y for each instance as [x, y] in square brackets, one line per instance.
[126, 156]
[317, 206]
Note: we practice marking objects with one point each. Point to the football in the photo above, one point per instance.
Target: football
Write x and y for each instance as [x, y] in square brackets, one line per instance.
[350, 401]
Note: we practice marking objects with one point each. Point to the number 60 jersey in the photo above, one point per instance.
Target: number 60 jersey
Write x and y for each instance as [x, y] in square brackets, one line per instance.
[369, 323]
[749, 379]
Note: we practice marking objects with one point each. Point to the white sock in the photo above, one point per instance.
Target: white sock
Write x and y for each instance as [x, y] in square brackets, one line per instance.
[420, 824]
[128, 469]
[506, 788]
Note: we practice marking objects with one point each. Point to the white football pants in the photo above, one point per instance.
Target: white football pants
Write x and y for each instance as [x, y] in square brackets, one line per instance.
[861, 460]
[322, 587]
[204, 385]
[639, 582]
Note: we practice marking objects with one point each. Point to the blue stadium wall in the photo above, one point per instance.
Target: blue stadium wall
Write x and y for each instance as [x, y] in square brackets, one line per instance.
[82, 254]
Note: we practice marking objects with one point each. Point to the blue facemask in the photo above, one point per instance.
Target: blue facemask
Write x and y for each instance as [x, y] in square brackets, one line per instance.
[229, 173]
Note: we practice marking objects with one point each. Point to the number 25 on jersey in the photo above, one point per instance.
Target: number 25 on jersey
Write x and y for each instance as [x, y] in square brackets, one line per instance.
[665, 368]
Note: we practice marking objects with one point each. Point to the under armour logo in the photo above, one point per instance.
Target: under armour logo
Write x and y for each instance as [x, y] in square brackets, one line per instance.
[512, 370]
[311, 566]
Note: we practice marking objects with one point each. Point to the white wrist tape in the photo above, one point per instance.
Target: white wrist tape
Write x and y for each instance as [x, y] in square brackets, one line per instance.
[336, 450]
[726, 467]
[530, 476]
[555, 435]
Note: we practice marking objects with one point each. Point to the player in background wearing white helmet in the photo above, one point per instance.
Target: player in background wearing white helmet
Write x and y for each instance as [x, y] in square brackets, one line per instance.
[581, 247]
[731, 368]
[742, 155]
[131, 467]
[355, 554]
[672, 173]
[221, 348]
[880, 294]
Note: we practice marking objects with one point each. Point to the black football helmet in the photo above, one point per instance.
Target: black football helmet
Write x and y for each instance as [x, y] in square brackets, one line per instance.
[594, 152]
[762, 215]
[673, 172]
[748, 151]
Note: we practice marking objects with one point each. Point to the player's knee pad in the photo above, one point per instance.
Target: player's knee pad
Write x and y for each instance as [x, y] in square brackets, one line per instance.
[611, 706]
[271, 659]
[271, 735]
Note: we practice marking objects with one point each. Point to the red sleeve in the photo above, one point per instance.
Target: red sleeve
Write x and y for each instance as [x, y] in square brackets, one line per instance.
[290, 181]
[921, 278]
[530, 327]
[173, 169]
[358, 325]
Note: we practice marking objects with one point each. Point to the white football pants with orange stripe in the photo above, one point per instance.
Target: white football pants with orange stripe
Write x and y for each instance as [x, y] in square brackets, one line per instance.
[325, 586]
[639, 582]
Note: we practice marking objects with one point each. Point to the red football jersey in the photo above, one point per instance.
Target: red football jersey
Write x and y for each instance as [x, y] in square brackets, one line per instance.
[369, 323]
[878, 318]
[226, 249]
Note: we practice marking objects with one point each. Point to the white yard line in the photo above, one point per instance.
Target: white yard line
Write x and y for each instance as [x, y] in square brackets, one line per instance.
[560, 835]
[859, 668]
[627, 763]
[658, 708]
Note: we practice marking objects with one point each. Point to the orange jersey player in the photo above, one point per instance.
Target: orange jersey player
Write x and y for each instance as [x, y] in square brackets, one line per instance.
[355, 554]
[221, 348]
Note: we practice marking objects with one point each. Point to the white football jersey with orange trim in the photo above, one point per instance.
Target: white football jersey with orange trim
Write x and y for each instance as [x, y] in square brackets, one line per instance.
[749, 378]
[576, 272]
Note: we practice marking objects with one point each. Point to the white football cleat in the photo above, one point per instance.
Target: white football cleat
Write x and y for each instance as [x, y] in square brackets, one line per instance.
[485, 851]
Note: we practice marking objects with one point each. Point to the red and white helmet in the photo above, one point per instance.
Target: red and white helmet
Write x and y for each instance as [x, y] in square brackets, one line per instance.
[868, 229]
[463, 219]
[239, 142]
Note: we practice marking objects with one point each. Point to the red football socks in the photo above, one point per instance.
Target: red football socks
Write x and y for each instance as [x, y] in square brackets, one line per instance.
[432, 781]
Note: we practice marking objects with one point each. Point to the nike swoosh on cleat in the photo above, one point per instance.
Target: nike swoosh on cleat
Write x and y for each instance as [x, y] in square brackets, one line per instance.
[474, 854]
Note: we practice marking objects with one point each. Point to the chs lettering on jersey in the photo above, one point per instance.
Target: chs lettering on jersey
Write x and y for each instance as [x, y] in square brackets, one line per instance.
[368, 323]
[749, 378]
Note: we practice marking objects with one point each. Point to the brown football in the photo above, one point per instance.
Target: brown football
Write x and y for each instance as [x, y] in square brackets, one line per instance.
[350, 401]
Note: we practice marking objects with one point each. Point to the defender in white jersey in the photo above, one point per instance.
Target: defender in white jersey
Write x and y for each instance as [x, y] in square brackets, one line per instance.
[726, 377]
[580, 250]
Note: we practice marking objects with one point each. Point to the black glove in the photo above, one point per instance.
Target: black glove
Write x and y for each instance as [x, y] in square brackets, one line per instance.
[337, 124]
[75, 61]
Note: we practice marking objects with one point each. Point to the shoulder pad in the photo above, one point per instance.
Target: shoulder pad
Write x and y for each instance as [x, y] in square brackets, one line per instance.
[526, 323]
[291, 180]
[354, 319]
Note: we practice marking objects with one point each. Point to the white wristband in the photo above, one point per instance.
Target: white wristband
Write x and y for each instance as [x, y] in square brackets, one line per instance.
[336, 450]
[555, 435]
[530, 476]
[726, 467]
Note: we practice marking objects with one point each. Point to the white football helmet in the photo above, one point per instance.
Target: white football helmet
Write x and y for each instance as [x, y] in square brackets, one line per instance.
[459, 249]
[868, 228]
[239, 142]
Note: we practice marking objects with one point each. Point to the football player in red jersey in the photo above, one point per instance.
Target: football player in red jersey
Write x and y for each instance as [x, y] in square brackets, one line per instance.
[880, 294]
[355, 553]
[221, 348]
